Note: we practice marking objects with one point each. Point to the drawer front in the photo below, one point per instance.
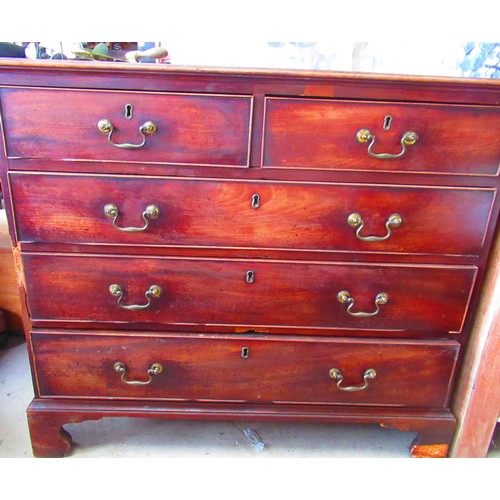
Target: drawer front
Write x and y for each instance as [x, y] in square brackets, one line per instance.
[190, 129]
[247, 293]
[309, 134]
[290, 216]
[220, 368]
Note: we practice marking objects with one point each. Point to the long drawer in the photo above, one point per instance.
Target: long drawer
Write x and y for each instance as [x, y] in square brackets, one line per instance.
[326, 134]
[189, 128]
[245, 368]
[243, 214]
[250, 293]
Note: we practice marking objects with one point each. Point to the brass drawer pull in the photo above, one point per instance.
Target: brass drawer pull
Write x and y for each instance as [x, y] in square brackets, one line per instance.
[154, 291]
[344, 297]
[364, 135]
[106, 127]
[151, 212]
[355, 220]
[369, 374]
[154, 369]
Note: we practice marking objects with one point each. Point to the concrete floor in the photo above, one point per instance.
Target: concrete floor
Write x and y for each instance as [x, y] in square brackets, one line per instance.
[160, 438]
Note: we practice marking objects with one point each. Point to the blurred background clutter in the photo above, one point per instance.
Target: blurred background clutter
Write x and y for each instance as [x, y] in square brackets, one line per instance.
[96, 51]
[466, 59]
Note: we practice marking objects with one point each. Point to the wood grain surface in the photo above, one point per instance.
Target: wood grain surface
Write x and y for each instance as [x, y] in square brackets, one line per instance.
[310, 134]
[211, 367]
[62, 124]
[290, 138]
[219, 213]
[215, 292]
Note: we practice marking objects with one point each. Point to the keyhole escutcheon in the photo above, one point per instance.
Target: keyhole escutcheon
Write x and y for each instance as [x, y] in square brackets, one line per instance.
[255, 201]
[129, 111]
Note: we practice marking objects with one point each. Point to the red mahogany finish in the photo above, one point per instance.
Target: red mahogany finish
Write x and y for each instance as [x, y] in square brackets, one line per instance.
[211, 368]
[194, 129]
[328, 128]
[290, 294]
[227, 299]
[202, 213]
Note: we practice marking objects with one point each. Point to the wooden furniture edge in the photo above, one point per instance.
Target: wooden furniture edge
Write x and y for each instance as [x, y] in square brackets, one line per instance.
[476, 401]
[47, 417]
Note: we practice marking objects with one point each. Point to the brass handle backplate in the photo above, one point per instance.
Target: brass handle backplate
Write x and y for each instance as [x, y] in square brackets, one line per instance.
[337, 375]
[344, 297]
[364, 135]
[355, 221]
[153, 292]
[107, 128]
[154, 369]
[151, 212]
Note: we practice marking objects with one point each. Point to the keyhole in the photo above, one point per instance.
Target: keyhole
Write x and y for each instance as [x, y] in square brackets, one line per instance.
[387, 122]
[245, 352]
[255, 201]
[129, 111]
[250, 277]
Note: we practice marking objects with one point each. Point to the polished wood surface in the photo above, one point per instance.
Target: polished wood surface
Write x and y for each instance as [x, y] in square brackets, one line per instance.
[225, 135]
[46, 418]
[219, 213]
[216, 292]
[195, 129]
[305, 134]
[274, 370]
[291, 82]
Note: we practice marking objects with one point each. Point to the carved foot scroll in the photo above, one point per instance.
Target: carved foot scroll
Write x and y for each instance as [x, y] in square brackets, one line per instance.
[434, 437]
[48, 437]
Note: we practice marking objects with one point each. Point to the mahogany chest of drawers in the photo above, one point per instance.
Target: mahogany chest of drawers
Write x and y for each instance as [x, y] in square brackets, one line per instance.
[222, 243]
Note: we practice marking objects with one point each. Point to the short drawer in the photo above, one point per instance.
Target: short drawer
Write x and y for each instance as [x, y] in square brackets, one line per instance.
[311, 134]
[249, 294]
[245, 369]
[237, 214]
[190, 128]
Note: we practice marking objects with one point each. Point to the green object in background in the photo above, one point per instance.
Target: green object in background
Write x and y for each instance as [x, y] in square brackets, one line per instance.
[100, 52]
[101, 49]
